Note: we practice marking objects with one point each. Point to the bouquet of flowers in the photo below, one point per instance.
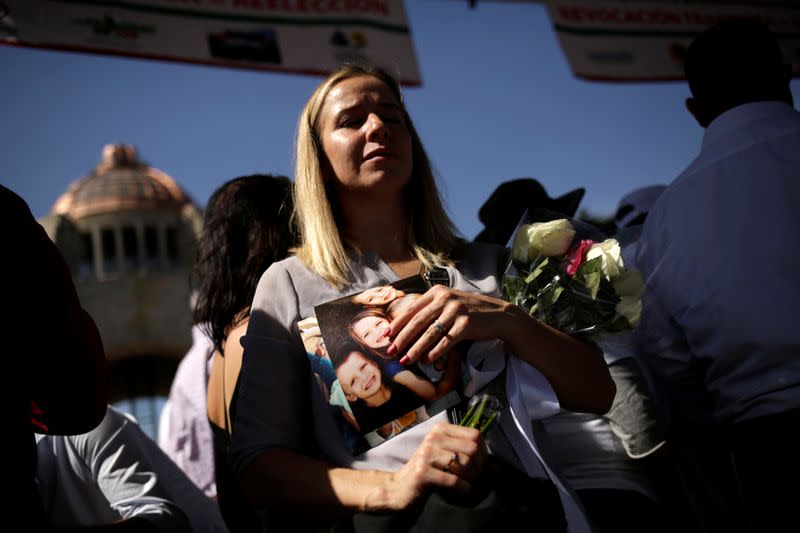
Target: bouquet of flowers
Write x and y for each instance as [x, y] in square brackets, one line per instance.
[566, 274]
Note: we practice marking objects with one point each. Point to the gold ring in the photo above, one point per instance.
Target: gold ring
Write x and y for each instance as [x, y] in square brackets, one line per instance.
[438, 327]
[453, 462]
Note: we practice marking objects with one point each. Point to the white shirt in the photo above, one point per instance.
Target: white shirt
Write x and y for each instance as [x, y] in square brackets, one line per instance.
[184, 432]
[116, 471]
[718, 253]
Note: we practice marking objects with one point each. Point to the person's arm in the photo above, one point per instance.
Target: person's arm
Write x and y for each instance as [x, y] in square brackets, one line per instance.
[575, 370]
[428, 390]
[421, 387]
[233, 362]
[289, 482]
[224, 376]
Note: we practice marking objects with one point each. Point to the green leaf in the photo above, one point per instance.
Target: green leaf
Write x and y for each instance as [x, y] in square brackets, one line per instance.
[514, 287]
[592, 265]
[541, 267]
[592, 282]
[549, 296]
[590, 274]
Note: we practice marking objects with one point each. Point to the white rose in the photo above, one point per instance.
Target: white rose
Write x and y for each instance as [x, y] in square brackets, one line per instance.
[631, 308]
[545, 238]
[611, 253]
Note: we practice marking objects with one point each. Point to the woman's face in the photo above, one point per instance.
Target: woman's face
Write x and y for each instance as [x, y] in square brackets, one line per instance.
[370, 329]
[376, 296]
[359, 376]
[364, 136]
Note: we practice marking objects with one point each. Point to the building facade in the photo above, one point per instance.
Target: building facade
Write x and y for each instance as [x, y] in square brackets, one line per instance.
[129, 235]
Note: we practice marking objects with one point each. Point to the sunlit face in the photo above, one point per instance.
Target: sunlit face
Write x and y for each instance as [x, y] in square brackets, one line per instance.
[377, 296]
[370, 329]
[359, 376]
[364, 136]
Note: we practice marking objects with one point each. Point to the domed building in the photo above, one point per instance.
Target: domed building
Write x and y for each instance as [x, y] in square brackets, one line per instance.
[129, 234]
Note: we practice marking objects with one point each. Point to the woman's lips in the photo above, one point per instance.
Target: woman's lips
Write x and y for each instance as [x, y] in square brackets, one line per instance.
[379, 153]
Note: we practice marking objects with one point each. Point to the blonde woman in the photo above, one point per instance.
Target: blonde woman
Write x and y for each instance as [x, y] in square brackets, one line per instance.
[369, 214]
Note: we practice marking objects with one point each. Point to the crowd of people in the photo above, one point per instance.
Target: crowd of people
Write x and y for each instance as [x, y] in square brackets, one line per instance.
[341, 324]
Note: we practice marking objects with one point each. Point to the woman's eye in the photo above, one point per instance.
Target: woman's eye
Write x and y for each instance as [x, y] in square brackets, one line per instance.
[349, 121]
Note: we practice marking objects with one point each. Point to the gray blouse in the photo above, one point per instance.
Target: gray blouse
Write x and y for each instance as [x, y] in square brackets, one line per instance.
[281, 406]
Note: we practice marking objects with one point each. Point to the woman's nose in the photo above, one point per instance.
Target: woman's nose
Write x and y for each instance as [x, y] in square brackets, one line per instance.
[376, 128]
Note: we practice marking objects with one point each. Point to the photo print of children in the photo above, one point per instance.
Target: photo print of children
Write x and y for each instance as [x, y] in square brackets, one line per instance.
[378, 402]
[382, 304]
[382, 395]
[325, 375]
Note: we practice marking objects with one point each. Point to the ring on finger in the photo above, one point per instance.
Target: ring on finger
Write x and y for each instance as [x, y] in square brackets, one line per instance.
[453, 462]
[439, 327]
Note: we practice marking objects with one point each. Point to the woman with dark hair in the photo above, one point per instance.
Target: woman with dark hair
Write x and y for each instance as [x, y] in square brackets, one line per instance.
[246, 228]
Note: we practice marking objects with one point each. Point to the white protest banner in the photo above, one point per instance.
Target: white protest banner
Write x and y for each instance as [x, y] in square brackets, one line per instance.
[302, 36]
[616, 41]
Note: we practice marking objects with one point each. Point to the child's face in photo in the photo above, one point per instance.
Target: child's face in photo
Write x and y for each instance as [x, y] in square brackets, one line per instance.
[370, 331]
[376, 296]
[359, 376]
[322, 350]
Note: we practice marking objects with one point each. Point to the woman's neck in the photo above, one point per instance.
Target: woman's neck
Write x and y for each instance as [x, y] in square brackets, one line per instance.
[380, 227]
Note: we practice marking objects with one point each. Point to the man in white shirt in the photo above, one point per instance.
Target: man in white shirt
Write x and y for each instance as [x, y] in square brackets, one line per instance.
[720, 309]
[117, 477]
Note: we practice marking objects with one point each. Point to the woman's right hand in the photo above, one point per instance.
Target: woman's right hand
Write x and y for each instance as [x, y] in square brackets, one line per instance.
[450, 456]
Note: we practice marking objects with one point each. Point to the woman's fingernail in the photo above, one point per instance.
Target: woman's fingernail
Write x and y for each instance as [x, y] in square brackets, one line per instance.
[392, 349]
[404, 360]
[386, 332]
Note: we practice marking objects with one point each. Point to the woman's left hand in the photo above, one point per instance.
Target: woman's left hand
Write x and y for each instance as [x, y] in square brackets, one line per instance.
[443, 317]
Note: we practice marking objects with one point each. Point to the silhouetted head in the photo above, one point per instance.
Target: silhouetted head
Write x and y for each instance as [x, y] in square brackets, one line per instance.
[734, 62]
[502, 211]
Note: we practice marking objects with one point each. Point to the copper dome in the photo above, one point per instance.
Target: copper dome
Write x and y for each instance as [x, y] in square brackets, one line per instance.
[120, 183]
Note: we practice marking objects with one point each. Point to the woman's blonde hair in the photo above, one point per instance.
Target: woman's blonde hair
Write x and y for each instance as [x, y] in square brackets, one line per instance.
[431, 234]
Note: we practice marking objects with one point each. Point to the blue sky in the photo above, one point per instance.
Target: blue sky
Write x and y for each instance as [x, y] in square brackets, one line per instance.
[498, 102]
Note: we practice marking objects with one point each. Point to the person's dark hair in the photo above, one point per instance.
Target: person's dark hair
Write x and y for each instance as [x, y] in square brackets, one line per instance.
[246, 228]
[735, 62]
